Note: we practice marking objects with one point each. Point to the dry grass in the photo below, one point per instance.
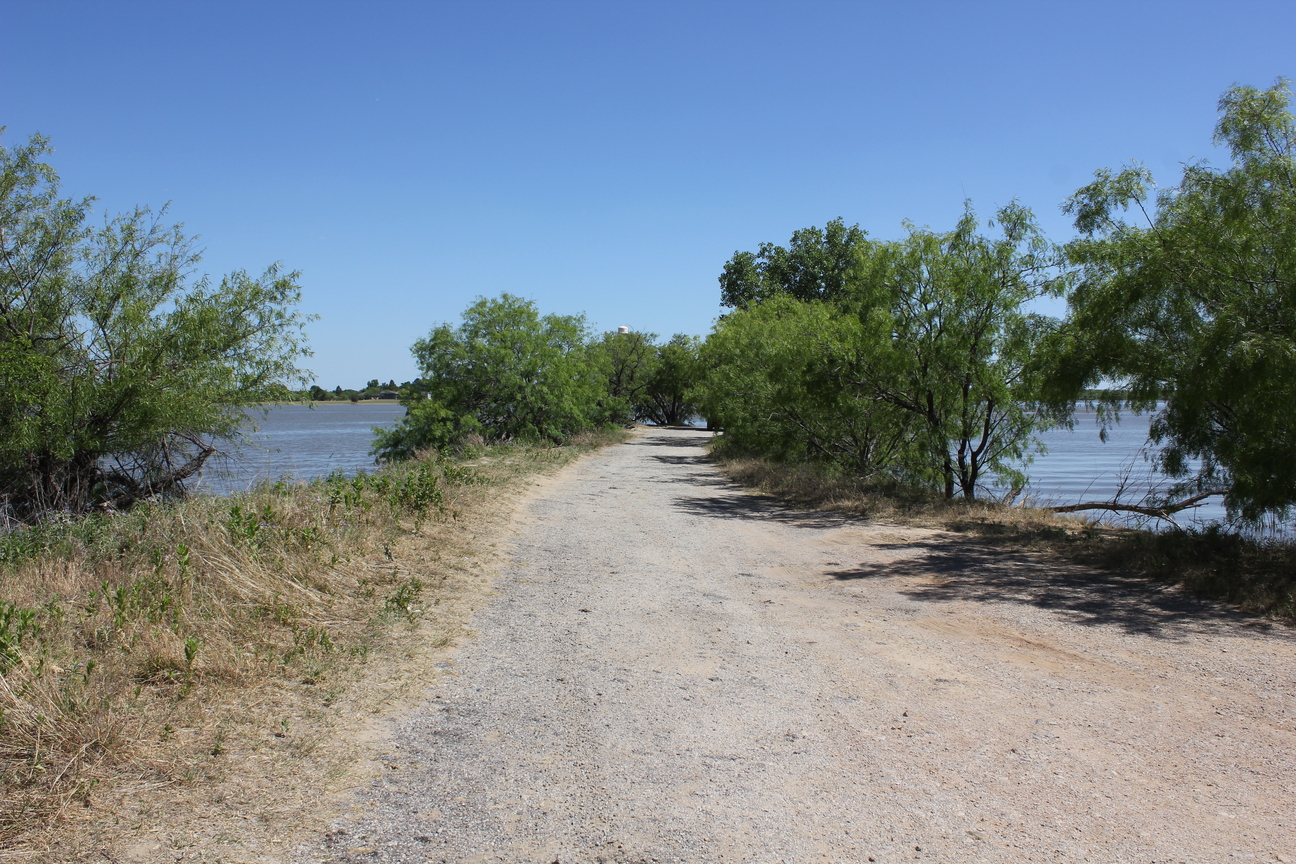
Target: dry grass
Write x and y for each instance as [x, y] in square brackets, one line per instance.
[1256, 576]
[147, 656]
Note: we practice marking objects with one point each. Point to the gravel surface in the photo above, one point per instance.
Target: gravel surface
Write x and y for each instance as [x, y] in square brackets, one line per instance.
[675, 670]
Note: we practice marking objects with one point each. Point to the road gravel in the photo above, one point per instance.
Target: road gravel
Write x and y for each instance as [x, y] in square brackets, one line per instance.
[675, 670]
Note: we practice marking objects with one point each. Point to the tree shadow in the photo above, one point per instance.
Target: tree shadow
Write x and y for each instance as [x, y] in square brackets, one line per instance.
[674, 438]
[969, 571]
[702, 475]
[736, 504]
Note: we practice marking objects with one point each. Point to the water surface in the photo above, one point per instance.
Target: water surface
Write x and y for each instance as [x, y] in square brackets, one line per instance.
[1080, 466]
[302, 442]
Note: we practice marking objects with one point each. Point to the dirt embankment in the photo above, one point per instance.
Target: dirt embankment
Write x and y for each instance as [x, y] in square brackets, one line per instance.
[674, 670]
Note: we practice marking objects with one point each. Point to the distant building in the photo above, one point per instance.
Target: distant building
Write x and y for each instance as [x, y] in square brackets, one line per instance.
[623, 329]
[389, 394]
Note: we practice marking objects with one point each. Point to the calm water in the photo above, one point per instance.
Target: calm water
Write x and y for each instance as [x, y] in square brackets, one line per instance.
[303, 442]
[1079, 466]
[307, 442]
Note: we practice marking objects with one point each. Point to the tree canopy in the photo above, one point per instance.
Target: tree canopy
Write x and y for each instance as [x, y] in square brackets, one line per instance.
[815, 265]
[505, 372]
[918, 368]
[120, 371]
[1189, 307]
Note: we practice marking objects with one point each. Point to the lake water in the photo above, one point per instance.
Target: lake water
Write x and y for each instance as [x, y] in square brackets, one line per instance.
[1080, 466]
[305, 442]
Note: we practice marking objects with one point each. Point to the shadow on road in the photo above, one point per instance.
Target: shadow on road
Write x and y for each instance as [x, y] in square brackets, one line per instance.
[1083, 595]
[672, 438]
[737, 504]
[968, 570]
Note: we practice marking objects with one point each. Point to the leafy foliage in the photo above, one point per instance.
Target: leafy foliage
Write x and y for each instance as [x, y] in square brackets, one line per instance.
[628, 363]
[118, 373]
[815, 265]
[776, 382]
[504, 373]
[919, 369]
[957, 354]
[667, 398]
[1194, 303]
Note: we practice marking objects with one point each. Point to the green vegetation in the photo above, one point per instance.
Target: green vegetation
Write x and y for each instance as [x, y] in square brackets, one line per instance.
[648, 381]
[918, 371]
[917, 362]
[118, 371]
[158, 640]
[889, 379]
[507, 373]
[1196, 306]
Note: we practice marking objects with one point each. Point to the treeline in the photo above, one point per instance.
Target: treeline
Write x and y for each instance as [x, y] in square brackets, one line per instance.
[507, 373]
[375, 389]
[918, 361]
[909, 360]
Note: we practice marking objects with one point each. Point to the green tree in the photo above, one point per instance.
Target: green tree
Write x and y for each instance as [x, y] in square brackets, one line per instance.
[119, 374]
[627, 362]
[959, 354]
[920, 367]
[773, 379]
[1193, 302]
[815, 265]
[667, 396]
[506, 372]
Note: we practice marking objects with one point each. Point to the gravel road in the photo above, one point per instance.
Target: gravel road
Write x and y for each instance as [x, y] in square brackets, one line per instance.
[674, 670]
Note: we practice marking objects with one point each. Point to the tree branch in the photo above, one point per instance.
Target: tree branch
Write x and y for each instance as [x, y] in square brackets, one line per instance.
[1164, 511]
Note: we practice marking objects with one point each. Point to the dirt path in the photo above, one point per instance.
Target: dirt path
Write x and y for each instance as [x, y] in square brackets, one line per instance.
[674, 670]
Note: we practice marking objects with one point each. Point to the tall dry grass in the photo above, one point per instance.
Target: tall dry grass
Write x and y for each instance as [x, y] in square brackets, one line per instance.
[1255, 575]
[119, 633]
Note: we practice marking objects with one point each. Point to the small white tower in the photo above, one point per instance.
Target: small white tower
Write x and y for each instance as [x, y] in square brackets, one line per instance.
[623, 329]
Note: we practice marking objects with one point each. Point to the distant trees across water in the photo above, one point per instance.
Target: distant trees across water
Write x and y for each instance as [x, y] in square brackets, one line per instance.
[372, 390]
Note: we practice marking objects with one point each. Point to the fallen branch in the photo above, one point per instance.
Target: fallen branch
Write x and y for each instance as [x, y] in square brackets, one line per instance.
[1163, 511]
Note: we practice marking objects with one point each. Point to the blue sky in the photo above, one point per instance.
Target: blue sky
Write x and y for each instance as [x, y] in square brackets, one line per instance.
[602, 157]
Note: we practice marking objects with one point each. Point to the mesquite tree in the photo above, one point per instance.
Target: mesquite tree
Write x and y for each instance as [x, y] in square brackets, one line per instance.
[120, 374]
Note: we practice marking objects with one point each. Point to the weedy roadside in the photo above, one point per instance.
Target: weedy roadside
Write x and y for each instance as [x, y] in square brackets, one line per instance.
[1257, 576]
[149, 655]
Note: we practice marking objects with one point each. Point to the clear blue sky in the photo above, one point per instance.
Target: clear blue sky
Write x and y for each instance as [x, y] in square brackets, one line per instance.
[602, 157]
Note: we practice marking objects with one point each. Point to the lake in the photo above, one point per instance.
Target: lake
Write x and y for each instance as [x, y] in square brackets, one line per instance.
[1079, 466]
[305, 442]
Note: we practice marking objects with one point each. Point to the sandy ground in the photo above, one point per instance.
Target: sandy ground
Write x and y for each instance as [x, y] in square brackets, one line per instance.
[675, 670]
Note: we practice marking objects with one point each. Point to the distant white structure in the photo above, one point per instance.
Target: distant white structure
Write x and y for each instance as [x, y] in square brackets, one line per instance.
[623, 329]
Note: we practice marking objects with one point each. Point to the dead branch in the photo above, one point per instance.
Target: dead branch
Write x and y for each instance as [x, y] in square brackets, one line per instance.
[1162, 511]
